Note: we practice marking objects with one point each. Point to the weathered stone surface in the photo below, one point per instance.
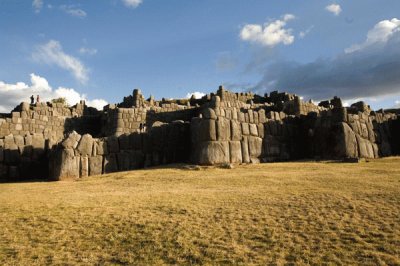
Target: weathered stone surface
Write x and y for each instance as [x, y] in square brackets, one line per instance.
[253, 130]
[235, 151]
[236, 130]
[209, 113]
[123, 161]
[71, 142]
[204, 130]
[255, 147]
[365, 148]
[85, 145]
[110, 163]
[112, 144]
[65, 165]
[100, 148]
[214, 152]
[1, 154]
[245, 150]
[271, 147]
[346, 146]
[84, 166]
[95, 165]
[223, 129]
[245, 129]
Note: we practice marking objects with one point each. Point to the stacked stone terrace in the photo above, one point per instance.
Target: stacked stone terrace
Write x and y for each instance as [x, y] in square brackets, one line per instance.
[58, 142]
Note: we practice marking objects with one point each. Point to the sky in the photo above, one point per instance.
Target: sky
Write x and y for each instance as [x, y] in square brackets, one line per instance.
[101, 50]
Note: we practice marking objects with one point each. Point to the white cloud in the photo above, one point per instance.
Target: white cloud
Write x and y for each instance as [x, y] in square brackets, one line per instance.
[196, 94]
[303, 34]
[87, 51]
[132, 3]
[397, 104]
[73, 11]
[372, 71]
[37, 5]
[13, 94]
[380, 33]
[52, 53]
[269, 34]
[334, 9]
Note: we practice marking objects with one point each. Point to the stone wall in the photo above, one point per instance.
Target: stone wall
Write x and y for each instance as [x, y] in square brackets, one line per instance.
[224, 135]
[226, 127]
[80, 156]
[117, 121]
[27, 135]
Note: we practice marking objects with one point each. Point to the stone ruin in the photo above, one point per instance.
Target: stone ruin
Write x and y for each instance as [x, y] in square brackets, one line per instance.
[56, 142]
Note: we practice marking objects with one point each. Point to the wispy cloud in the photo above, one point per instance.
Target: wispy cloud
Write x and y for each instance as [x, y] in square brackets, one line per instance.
[13, 94]
[304, 33]
[335, 9]
[270, 34]
[52, 53]
[87, 51]
[37, 5]
[132, 3]
[73, 11]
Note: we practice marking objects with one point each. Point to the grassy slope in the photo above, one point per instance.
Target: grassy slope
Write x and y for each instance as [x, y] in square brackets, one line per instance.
[255, 214]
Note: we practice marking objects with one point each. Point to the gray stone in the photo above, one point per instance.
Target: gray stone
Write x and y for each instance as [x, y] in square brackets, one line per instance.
[112, 144]
[223, 129]
[255, 147]
[209, 113]
[85, 145]
[84, 166]
[72, 141]
[245, 150]
[236, 130]
[346, 146]
[235, 151]
[245, 129]
[110, 163]
[95, 165]
[214, 152]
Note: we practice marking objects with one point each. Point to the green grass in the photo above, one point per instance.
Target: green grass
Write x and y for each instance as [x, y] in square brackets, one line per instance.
[281, 213]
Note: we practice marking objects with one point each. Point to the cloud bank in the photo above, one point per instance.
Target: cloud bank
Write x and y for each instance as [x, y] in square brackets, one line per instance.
[13, 94]
[196, 94]
[73, 11]
[370, 70]
[52, 53]
[269, 34]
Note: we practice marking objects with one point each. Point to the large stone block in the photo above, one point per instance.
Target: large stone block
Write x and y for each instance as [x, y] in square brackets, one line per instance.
[245, 129]
[209, 113]
[245, 150]
[84, 166]
[95, 165]
[235, 151]
[112, 144]
[1, 154]
[255, 147]
[203, 130]
[214, 152]
[271, 147]
[71, 142]
[100, 148]
[253, 130]
[365, 148]
[85, 145]
[64, 165]
[223, 129]
[346, 142]
[236, 130]
[110, 163]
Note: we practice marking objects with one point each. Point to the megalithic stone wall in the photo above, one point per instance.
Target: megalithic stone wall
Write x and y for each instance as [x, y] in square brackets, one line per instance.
[81, 156]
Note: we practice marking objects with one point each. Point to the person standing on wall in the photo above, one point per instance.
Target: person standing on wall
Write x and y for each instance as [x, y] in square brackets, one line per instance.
[37, 99]
[32, 99]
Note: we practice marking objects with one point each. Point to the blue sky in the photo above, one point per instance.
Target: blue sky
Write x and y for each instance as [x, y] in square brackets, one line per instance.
[102, 50]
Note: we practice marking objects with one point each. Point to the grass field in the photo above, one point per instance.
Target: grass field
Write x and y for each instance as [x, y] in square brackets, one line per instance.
[281, 213]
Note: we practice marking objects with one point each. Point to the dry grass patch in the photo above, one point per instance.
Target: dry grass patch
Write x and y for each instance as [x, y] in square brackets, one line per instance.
[281, 213]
